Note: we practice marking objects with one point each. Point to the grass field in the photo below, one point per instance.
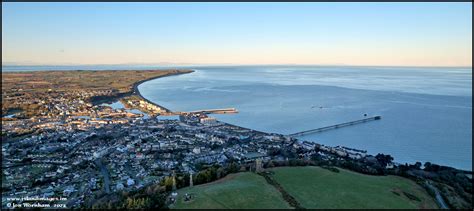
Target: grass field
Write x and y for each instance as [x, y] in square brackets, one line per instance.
[242, 190]
[316, 187]
[312, 187]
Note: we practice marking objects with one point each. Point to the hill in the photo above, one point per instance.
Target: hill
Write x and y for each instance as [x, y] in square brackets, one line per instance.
[241, 190]
[312, 187]
[315, 187]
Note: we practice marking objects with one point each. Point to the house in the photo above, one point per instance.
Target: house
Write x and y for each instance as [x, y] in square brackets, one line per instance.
[119, 186]
[197, 150]
[130, 182]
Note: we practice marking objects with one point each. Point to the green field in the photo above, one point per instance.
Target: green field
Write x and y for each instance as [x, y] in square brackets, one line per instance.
[242, 190]
[315, 187]
[312, 187]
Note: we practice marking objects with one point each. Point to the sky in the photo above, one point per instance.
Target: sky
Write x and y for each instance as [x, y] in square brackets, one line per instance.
[386, 34]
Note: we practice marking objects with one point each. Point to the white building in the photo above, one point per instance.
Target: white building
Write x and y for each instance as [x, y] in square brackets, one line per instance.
[208, 121]
[130, 182]
[197, 150]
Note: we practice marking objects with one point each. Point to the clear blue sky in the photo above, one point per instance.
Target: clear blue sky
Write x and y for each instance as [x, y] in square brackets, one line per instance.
[427, 34]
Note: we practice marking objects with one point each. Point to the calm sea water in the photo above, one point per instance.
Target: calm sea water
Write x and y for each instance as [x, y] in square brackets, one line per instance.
[426, 112]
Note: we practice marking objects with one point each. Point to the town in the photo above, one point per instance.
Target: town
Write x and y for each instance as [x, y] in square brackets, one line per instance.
[82, 157]
[74, 149]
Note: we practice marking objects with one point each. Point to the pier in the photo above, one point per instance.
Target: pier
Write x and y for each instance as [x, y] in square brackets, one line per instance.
[318, 130]
[206, 111]
[217, 111]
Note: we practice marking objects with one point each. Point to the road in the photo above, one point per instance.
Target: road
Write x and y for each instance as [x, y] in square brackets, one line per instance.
[105, 174]
[438, 196]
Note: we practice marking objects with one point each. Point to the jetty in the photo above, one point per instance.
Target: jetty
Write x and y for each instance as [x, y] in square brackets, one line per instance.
[321, 129]
[217, 111]
[206, 111]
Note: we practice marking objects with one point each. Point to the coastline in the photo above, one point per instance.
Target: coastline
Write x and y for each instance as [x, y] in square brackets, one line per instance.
[136, 91]
[262, 132]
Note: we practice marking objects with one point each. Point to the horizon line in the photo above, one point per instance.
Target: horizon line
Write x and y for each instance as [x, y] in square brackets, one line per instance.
[227, 64]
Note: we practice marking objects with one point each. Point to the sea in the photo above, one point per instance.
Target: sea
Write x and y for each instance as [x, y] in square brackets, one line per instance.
[426, 112]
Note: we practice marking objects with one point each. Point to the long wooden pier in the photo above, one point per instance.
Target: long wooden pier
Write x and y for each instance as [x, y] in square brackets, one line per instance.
[317, 130]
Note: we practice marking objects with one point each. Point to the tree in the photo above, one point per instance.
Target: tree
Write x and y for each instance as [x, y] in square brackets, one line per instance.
[417, 165]
[139, 203]
[233, 168]
[384, 159]
[168, 183]
[427, 165]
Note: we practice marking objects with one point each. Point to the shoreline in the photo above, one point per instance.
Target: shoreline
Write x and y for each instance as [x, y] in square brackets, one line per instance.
[232, 125]
[136, 91]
